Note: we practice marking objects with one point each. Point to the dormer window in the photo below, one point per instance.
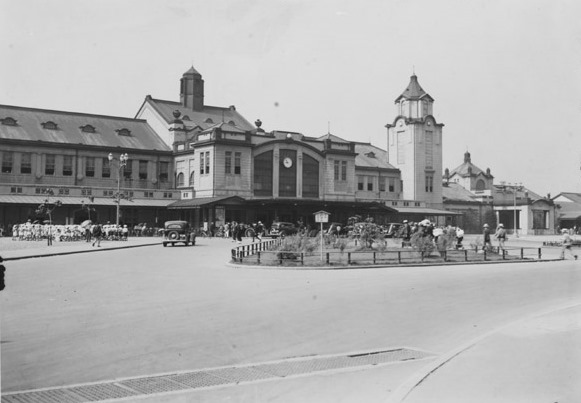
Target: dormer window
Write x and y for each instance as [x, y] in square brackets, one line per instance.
[8, 121]
[232, 123]
[208, 121]
[50, 125]
[87, 129]
[370, 154]
[186, 117]
[123, 132]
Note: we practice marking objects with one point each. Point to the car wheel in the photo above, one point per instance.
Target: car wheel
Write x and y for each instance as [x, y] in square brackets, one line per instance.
[164, 244]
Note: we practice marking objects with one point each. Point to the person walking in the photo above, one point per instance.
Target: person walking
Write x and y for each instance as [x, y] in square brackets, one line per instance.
[567, 243]
[486, 238]
[501, 236]
[97, 234]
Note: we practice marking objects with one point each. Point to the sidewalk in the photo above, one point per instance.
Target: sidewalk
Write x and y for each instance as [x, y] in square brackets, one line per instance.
[14, 250]
[534, 360]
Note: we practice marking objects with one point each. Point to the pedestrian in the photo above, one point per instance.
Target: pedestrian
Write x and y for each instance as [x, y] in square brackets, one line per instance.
[501, 236]
[486, 238]
[567, 243]
[97, 233]
[125, 232]
[459, 238]
[239, 232]
[259, 231]
[2, 273]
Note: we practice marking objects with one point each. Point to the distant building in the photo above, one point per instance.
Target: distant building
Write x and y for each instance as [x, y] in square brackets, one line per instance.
[568, 205]
[471, 191]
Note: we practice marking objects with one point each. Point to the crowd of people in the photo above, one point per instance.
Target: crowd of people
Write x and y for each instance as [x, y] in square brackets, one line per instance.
[30, 231]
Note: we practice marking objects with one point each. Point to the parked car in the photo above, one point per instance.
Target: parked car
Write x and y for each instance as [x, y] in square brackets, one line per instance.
[176, 232]
[280, 228]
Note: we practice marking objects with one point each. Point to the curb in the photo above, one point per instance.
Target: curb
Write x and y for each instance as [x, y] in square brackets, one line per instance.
[385, 266]
[76, 252]
[407, 388]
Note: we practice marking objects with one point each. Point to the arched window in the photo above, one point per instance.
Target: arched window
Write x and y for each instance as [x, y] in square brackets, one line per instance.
[480, 184]
[263, 174]
[180, 179]
[191, 179]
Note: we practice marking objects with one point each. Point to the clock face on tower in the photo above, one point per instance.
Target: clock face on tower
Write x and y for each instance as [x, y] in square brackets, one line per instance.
[287, 162]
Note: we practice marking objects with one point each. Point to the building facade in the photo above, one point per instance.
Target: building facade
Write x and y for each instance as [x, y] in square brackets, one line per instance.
[68, 154]
[229, 170]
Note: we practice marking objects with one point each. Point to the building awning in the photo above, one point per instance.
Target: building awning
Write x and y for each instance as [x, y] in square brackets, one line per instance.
[570, 215]
[78, 201]
[205, 201]
[425, 211]
[322, 204]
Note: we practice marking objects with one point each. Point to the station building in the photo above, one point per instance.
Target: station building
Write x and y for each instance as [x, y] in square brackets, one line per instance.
[230, 170]
[210, 165]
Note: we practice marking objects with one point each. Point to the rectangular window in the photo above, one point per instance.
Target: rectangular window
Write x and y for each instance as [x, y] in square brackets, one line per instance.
[67, 165]
[207, 162]
[382, 184]
[337, 166]
[228, 162]
[86, 192]
[343, 170]
[142, 169]
[429, 150]
[401, 147]
[90, 167]
[202, 163]
[370, 183]
[128, 170]
[15, 189]
[429, 183]
[360, 185]
[49, 164]
[106, 168]
[163, 171]
[7, 162]
[237, 164]
[25, 163]
[392, 184]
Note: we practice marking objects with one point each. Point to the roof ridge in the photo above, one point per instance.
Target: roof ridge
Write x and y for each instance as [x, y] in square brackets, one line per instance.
[30, 109]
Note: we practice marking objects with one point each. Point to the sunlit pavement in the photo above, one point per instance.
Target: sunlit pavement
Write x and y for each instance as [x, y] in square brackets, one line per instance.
[138, 312]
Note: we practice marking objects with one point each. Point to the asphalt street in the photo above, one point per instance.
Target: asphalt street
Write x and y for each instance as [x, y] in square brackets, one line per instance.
[135, 312]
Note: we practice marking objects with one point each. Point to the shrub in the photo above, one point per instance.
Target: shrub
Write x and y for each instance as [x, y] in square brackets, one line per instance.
[422, 243]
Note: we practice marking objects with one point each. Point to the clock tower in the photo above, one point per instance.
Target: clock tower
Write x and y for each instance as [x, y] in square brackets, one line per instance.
[414, 144]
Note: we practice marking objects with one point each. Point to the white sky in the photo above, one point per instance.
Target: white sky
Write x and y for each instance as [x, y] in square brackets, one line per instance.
[505, 75]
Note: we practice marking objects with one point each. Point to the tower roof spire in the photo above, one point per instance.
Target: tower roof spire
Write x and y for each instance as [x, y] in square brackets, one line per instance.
[414, 90]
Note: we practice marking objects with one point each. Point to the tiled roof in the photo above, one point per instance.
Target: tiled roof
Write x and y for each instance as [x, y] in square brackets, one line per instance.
[205, 118]
[574, 197]
[29, 127]
[456, 192]
[520, 193]
[463, 169]
[413, 90]
[192, 70]
[333, 138]
[370, 156]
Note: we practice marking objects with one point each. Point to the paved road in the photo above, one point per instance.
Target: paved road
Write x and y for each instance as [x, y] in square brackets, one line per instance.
[125, 313]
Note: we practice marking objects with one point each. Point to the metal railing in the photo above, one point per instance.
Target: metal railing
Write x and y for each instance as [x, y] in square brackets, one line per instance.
[263, 253]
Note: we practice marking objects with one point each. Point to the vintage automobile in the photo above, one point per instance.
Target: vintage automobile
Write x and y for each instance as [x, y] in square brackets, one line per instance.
[282, 229]
[177, 232]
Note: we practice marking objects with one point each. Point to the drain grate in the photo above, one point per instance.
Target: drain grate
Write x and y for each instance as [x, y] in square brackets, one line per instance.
[214, 377]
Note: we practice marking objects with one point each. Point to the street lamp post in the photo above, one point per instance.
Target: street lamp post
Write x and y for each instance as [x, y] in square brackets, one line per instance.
[515, 188]
[122, 162]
